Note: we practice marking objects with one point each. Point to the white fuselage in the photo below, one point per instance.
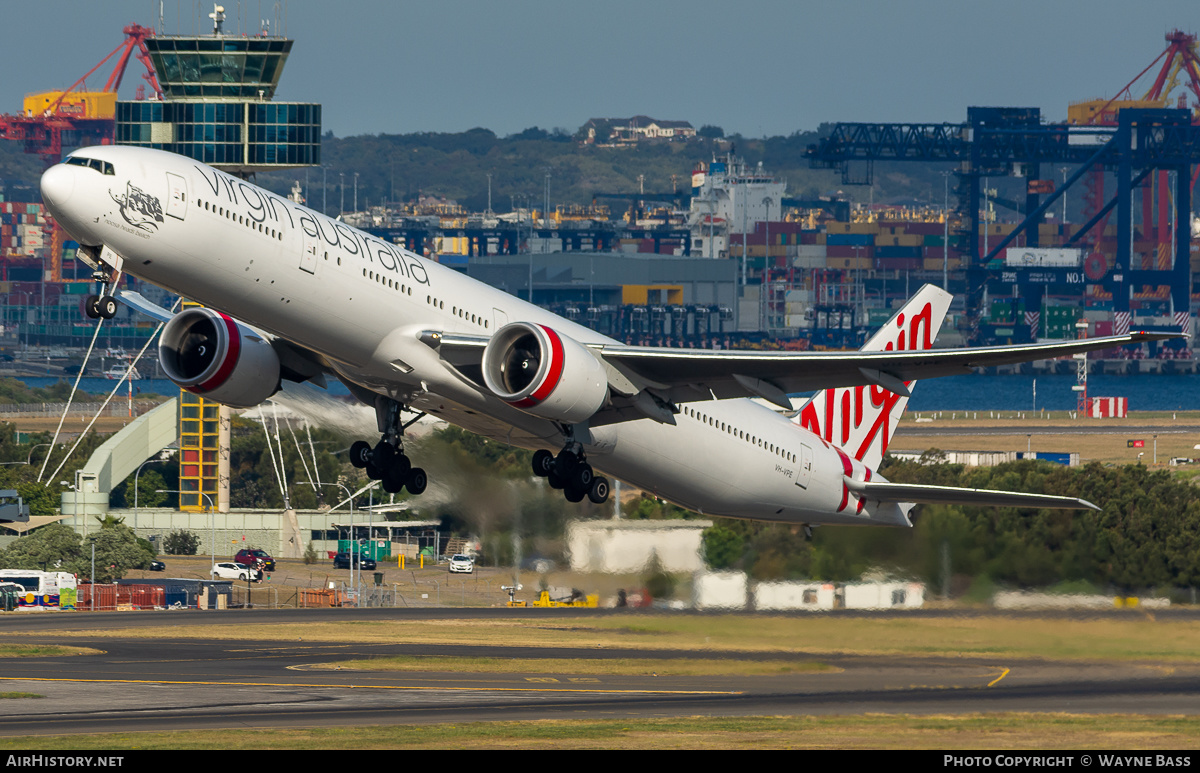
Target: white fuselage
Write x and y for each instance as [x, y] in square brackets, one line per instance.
[362, 304]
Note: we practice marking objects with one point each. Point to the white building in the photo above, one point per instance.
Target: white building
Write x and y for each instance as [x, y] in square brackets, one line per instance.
[627, 547]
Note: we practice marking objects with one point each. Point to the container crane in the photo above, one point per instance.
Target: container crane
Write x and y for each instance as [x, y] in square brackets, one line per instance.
[82, 117]
[1180, 64]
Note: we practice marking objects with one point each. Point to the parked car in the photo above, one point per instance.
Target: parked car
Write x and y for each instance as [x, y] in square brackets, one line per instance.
[231, 570]
[157, 566]
[343, 561]
[461, 563]
[255, 557]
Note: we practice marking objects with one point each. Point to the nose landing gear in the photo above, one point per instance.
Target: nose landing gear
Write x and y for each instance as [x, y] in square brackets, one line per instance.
[102, 305]
[98, 306]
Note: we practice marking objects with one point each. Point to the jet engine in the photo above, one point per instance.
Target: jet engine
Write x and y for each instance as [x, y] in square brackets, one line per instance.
[544, 373]
[215, 356]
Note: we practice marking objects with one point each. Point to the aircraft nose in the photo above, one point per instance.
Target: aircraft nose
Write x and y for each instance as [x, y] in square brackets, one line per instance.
[58, 183]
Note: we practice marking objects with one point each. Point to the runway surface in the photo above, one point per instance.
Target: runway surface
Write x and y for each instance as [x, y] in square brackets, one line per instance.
[171, 684]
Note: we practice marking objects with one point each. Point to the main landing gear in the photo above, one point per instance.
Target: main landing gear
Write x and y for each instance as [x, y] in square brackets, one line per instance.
[570, 472]
[386, 461]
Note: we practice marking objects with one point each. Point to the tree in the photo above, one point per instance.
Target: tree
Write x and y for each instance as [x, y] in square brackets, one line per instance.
[52, 547]
[659, 584]
[40, 498]
[181, 543]
[723, 547]
[117, 551]
[149, 485]
[710, 132]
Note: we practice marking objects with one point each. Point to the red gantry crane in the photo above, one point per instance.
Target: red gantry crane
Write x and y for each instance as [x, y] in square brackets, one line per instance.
[1180, 65]
[78, 117]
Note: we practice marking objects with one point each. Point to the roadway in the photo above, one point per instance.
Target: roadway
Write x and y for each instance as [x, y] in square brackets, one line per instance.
[173, 684]
[1032, 428]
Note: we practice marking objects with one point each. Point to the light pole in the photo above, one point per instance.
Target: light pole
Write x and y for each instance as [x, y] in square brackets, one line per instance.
[762, 288]
[1063, 169]
[160, 458]
[212, 528]
[31, 450]
[350, 498]
[946, 234]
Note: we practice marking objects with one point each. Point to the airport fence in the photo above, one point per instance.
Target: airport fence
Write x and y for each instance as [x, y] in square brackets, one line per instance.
[55, 410]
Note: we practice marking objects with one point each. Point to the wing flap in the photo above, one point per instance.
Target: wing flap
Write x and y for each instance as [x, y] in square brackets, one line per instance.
[949, 495]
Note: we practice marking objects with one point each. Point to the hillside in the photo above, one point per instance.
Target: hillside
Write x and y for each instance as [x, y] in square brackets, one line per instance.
[403, 166]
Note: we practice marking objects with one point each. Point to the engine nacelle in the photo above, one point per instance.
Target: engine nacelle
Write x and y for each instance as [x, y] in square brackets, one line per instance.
[215, 356]
[536, 369]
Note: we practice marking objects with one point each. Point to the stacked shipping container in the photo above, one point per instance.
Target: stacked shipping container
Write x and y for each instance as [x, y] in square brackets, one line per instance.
[22, 228]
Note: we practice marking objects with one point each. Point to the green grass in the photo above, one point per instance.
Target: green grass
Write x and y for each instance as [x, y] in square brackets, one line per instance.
[1135, 636]
[9, 650]
[971, 731]
[11, 695]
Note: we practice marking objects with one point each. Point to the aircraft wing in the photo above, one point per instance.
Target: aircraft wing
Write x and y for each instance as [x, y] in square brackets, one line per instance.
[682, 375]
[949, 495]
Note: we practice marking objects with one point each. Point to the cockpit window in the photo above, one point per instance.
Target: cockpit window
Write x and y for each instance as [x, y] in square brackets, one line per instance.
[103, 167]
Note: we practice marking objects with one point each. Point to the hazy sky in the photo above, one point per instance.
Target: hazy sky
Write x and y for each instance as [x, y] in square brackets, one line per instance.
[758, 67]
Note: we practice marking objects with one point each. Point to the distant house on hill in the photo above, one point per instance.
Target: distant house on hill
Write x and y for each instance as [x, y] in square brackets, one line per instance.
[630, 131]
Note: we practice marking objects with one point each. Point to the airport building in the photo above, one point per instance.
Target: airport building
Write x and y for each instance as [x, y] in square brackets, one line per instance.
[217, 107]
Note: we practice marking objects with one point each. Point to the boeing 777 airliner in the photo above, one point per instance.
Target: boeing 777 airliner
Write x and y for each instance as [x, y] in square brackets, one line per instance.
[290, 294]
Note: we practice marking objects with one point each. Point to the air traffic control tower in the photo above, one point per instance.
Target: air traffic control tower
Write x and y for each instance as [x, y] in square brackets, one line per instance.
[216, 104]
[216, 108]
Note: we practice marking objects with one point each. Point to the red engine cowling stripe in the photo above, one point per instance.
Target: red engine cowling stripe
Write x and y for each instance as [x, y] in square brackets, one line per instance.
[553, 375]
[230, 361]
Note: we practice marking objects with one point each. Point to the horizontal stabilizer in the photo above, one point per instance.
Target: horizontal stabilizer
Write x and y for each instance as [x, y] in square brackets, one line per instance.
[949, 495]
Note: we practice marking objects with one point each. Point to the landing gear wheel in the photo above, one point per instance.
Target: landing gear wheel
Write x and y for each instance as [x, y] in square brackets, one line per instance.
[360, 453]
[598, 492]
[383, 455]
[91, 307]
[574, 494]
[107, 307]
[394, 479]
[373, 472]
[543, 462]
[417, 481]
[581, 477]
[554, 481]
[564, 463]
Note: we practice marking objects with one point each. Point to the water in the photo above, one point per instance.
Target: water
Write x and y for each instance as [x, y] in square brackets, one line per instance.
[972, 392]
[976, 392]
[146, 386]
